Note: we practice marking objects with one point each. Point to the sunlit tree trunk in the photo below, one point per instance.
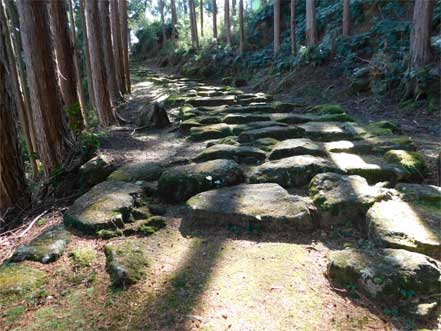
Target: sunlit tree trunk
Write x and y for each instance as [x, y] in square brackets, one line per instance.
[112, 85]
[173, 21]
[420, 53]
[161, 9]
[90, 87]
[227, 22]
[15, 27]
[311, 32]
[65, 65]
[53, 135]
[102, 97]
[125, 41]
[15, 84]
[346, 18]
[117, 46]
[276, 26]
[214, 20]
[12, 177]
[193, 25]
[241, 29]
[76, 61]
[293, 28]
[201, 10]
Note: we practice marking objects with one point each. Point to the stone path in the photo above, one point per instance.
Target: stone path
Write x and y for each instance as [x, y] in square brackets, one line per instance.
[255, 153]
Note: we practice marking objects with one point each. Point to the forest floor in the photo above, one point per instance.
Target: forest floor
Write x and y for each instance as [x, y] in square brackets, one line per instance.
[200, 279]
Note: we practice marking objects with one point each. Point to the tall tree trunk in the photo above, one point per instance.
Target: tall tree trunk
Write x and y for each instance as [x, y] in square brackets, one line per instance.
[117, 46]
[12, 177]
[125, 41]
[201, 9]
[53, 134]
[241, 29]
[173, 21]
[65, 65]
[233, 7]
[15, 84]
[112, 85]
[293, 28]
[90, 88]
[227, 22]
[193, 25]
[420, 52]
[346, 18]
[102, 98]
[12, 14]
[311, 30]
[276, 26]
[214, 20]
[76, 60]
[164, 34]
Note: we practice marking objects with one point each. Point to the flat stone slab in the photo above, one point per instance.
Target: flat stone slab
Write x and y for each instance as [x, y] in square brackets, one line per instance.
[245, 118]
[411, 226]
[327, 131]
[126, 262]
[293, 171]
[341, 198]
[385, 274]
[181, 182]
[276, 132]
[351, 147]
[412, 192]
[47, 247]
[370, 167]
[247, 154]
[107, 205]
[293, 147]
[96, 170]
[266, 205]
[212, 101]
[139, 171]
[304, 118]
[208, 132]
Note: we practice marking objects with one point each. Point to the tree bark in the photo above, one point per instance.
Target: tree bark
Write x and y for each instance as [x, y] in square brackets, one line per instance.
[201, 9]
[293, 28]
[214, 20]
[164, 34]
[99, 77]
[117, 46]
[227, 22]
[112, 86]
[12, 176]
[173, 21]
[233, 7]
[193, 25]
[346, 18]
[53, 135]
[125, 41]
[420, 53]
[12, 14]
[65, 65]
[311, 32]
[276, 26]
[15, 84]
[76, 61]
[241, 29]
[90, 87]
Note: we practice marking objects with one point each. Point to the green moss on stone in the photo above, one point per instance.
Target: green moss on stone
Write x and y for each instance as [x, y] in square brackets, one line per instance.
[328, 109]
[413, 162]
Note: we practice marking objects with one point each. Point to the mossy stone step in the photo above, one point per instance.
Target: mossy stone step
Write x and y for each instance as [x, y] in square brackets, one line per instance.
[293, 147]
[268, 207]
[275, 132]
[417, 192]
[137, 171]
[328, 131]
[208, 132]
[247, 154]
[413, 226]
[212, 101]
[245, 118]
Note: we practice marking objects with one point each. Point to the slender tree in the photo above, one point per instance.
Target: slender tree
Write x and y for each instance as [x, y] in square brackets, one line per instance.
[102, 98]
[161, 10]
[125, 41]
[311, 29]
[346, 17]
[15, 84]
[53, 135]
[293, 28]
[173, 21]
[233, 7]
[12, 177]
[193, 25]
[65, 64]
[276, 26]
[227, 22]
[90, 87]
[241, 29]
[201, 12]
[117, 46]
[76, 60]
[420, 52]
[214, 20]
[106, 40]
